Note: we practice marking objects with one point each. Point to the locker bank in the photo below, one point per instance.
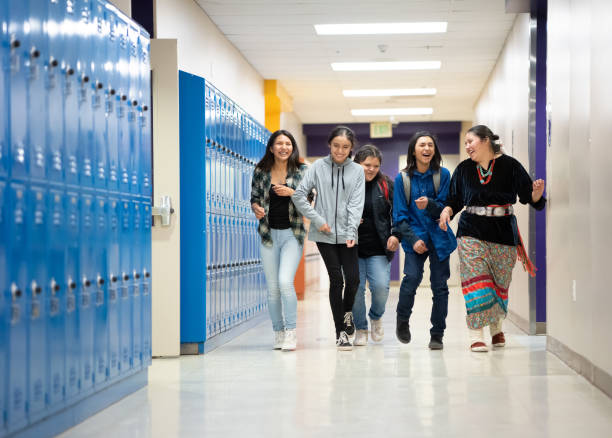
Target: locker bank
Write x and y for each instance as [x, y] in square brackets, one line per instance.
[133, 300]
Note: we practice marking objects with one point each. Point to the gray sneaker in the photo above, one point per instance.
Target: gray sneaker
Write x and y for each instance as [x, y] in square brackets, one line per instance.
[378, 332]
[361, 338]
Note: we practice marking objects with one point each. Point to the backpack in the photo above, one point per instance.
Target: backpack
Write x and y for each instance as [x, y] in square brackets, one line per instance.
[406, 179]
[382, 183]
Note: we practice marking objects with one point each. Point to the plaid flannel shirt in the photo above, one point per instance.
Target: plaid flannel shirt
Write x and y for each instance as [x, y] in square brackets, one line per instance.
[260, 194]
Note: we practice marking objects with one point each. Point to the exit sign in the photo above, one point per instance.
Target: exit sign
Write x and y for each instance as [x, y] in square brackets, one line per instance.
[381, 130]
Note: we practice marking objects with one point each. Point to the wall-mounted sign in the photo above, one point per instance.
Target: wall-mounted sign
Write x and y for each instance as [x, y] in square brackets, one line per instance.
[381, 130]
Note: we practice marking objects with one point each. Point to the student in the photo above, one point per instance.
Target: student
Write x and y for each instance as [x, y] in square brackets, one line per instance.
[421, 236]
[376, 247]
[339, 184]
[281, 229]
[487, 184]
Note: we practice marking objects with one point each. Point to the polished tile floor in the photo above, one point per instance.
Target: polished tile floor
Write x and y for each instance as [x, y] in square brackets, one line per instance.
[245, 389]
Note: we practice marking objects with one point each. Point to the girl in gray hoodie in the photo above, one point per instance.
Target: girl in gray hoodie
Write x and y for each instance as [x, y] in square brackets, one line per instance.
[334, 219]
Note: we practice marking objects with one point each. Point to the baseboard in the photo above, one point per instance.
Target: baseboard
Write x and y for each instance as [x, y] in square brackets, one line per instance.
[519, 321]
[598, 377]
[540, 328]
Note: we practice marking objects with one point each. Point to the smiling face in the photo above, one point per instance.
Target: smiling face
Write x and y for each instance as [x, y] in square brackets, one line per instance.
[340, 148]
[281, 148]
[477, 148]
[424, 151]
[371, 166]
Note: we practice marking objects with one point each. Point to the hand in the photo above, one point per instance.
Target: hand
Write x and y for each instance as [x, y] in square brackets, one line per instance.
[361, 221]
[538, 190]
[350, 243]
[445, 218]
[281, 190]
[392, 243]
[419, 247]
[325, 229]
[421, 203]
[258, 210]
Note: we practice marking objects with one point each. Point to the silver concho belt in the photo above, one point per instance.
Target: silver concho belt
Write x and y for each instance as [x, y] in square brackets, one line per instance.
[491, 210]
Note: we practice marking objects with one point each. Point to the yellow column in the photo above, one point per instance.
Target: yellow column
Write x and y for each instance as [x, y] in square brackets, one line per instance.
[273, 105]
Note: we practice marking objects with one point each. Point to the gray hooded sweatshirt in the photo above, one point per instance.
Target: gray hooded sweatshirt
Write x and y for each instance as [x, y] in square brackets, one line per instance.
[339, 202]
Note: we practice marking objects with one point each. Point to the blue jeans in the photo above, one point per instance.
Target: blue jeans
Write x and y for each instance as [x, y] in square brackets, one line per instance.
[280, 262]
[376, 270]
[413, 274]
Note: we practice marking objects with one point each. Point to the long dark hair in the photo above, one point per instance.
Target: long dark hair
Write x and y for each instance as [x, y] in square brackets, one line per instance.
[435, 162]
[483, 132]
[267, 161]
[366, 151]
[343, 131]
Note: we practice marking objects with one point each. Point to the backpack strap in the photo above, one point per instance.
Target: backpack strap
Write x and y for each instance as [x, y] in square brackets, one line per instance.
[436, 181]
[406, 180]
[382, 183]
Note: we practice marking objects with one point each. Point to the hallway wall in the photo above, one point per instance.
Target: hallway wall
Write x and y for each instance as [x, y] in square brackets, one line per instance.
[503, 106]
[579, 163]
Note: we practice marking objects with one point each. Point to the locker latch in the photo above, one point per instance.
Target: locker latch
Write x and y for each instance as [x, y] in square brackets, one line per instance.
[164, 210]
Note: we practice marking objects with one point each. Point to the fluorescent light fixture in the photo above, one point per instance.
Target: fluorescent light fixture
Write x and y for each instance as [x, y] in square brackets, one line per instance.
[392, 112]
[380, 28]
[390, 92]
[386, 66]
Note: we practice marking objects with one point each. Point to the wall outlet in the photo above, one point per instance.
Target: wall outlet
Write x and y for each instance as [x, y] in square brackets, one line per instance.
[574, 290]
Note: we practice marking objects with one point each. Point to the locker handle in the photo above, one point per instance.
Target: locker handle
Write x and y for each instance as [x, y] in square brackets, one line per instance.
[114, 278]
[112, 91]
[99, 85]
[15, 44]
[164, 210]
[85, 79]
[36, 289]
[54, 286]
[54, 62]
[70, 71]
[34, 53]
[136, 275]
[86, 283]
[147, 275]
[124, 98]
[145, 108]
[100, 281]
[72, 284]
[126, 277]
[134, 103]
[15, 291]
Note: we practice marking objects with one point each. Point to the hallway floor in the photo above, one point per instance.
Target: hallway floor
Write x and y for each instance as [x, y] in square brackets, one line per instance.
[245, 388]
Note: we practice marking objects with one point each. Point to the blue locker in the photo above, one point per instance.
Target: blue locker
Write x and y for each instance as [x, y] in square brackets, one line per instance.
[146, 281]
[146, 171]
[37, 92]
[36, 292]
[71, 86]
[137, 269]
[126, 285]
[18, 86]
[54, 84]
[100, 286]
[55, 299]
[71, 285]
[113, 100]
[85, 47]
[123, 107]
[134, 111]
[99, 89]
[18, 315]
[113, 286]
[86, 287]
[4, 301]
[4, 105]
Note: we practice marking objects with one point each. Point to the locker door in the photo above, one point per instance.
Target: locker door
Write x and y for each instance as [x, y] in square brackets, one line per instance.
[100, 287]
[18, 88]
[86, 287]
[134, 111]
[54, 84]
[145, 115]
[70, 284]
[71, 85]
[99, 89]
[123, 106]
[146, 282]
[4, 300]
[125, 287]
[85, 76]
[113, 101]
[4, 105]
[113, 286]
[18, 315]
[35, 297]
[55, 304]
[136, 250]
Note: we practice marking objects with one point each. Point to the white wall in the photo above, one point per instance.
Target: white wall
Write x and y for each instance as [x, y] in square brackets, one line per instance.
[579, 215]
[503, 106]
[204, 51]
[290, 122]
[124, 6]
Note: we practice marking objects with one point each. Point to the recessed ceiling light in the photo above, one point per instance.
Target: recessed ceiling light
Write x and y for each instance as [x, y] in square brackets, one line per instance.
[383, 66]
[380, 28]
[390, 92]
[392, 112]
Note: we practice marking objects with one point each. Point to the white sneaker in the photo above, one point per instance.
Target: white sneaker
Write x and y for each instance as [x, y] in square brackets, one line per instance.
[378, 332]
[361, 337]
[343, 342]
[290, 342]
[279, 338]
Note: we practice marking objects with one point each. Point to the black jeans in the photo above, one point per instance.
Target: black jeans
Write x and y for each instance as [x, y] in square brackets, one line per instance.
[339, 259]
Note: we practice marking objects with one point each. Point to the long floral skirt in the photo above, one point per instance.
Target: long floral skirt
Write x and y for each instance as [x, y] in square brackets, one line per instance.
[486, 272]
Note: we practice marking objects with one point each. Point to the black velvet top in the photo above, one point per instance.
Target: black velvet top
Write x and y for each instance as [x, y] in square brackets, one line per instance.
[278, 214]
[369, 241]
[509, 181]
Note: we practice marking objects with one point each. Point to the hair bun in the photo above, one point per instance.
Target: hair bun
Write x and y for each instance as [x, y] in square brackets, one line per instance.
[495, 137]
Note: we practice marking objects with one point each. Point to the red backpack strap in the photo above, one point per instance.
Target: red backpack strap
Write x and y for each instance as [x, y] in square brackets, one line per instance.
[384, 187]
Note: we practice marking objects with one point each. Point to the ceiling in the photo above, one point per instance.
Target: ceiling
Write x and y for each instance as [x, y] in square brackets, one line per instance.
[278, 39]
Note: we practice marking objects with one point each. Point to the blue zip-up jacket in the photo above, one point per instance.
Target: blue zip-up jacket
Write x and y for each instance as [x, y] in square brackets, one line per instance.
[415, 224]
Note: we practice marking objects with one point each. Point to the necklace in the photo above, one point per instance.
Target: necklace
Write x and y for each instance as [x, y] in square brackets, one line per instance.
[484, 176]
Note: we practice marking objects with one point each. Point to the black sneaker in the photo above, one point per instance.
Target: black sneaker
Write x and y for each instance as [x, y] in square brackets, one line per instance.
[343, 342]
[349, 327]
[435, 342]
[403, 331]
